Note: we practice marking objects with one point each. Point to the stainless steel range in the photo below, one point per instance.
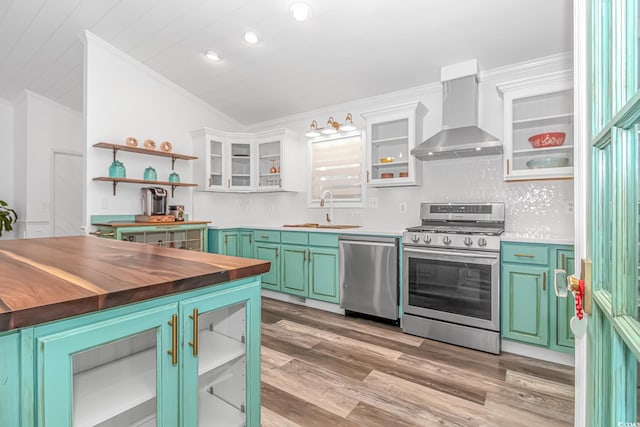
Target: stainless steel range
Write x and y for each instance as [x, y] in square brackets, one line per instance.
[451, 274]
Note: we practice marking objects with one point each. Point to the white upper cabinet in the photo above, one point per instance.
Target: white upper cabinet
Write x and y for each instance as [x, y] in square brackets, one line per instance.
[245, 162]
[392, 133]
[280, 156]
[538, 127]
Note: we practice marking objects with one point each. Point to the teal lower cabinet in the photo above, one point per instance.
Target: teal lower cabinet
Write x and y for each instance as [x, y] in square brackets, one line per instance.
[294, 270]
[270, 252]
[525, 303]
[184, 359]
[245, 244]
[235, 243]
[531, 312]
[323, 274]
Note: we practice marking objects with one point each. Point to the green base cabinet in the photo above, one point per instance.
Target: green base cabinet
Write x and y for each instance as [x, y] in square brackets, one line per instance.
[235, 243]
[525, 304]
[323, 274]
[294, 270]
[167, 361]
[270, 252]
[531, 312]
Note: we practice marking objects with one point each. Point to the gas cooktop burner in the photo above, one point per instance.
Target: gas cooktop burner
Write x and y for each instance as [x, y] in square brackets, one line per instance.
[484, 231]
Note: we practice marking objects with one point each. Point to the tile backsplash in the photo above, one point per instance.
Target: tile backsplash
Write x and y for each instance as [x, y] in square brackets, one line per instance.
[536, 208]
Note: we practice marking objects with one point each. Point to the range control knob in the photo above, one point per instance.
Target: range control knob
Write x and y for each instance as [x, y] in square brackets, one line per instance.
[446, 240]
[415, 238]
[482, 242]
[468, 241]
[427, 239]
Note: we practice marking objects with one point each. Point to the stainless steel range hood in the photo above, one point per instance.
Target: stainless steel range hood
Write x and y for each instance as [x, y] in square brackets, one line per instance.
[460, 135]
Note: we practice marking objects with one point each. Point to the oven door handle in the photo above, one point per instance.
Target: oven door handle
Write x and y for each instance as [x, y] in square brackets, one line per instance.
[448, 252]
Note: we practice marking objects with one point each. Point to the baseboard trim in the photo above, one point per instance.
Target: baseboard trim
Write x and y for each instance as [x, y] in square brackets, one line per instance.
[320, 305]
[538, 353]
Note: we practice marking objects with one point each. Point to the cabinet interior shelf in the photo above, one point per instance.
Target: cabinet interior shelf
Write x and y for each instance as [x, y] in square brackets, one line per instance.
[395, 139]
[553, 120]
[216, 349]
[262, 175]
[108, 390]
[115, 181]
[543, 151]
[270, 156]
[216, 412]
[390, 164]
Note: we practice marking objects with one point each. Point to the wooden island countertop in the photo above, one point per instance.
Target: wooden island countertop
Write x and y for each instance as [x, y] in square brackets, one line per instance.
[53, 278]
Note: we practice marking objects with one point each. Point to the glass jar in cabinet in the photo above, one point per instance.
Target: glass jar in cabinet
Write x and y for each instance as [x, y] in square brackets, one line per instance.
[392, 133]
[538, 127]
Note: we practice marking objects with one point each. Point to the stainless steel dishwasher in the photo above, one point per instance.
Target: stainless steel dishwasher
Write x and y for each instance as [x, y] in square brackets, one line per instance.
[369, 275]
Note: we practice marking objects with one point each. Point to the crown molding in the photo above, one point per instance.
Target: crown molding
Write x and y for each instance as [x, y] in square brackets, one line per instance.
[562, 60]
[90, 37]
[541, 79]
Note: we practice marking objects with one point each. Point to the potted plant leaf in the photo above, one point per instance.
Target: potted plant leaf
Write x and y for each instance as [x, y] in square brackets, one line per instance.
[7, 217]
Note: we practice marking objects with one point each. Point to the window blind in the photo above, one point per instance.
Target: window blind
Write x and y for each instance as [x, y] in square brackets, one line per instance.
[336, 165]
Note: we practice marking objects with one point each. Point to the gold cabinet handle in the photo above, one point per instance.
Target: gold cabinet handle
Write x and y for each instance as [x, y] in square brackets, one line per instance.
[304, 256]
[309, 258]
[276, 252]
[280, 183]
[225, 239]
[228, 183]
[367, 176]
[101, 233]
[544, 281]
[194, 343]
[563, 261]
[210, 181]
[524, 255]
[507, 166]
[174, 339]
[250, 236]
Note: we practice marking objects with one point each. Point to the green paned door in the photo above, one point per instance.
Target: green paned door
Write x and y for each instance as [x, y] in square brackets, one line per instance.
[613, 331]
[323, 274]
[525, 303]
[270, 252]
[294, 270]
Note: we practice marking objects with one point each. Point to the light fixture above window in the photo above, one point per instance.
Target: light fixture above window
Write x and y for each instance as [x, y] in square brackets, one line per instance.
[300, 12]
[332, 127]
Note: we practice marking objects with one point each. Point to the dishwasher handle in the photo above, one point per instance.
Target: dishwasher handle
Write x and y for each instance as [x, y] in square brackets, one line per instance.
[366, 243]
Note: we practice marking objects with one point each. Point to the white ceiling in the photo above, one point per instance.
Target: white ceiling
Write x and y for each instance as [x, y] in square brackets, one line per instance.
[350, 49]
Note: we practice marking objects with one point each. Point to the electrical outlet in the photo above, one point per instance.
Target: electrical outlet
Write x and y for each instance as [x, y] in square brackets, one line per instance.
[373, 202]
[570, 207]
[403, 207]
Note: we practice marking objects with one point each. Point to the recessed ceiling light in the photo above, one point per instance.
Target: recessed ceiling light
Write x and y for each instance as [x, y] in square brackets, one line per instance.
[478, 148]
[251, 37]
[213, 55]
[300, 11]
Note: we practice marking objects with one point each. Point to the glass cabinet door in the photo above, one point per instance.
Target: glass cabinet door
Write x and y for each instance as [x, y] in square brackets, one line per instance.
[269, 161]
[221, 378]
[215, 163]
[390, 150]
[240, 166]
[114, 372]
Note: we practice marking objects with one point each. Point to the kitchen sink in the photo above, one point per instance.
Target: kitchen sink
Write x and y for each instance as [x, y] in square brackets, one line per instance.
[331, 226]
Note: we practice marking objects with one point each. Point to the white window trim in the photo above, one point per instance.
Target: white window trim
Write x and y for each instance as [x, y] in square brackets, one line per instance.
[363, 172]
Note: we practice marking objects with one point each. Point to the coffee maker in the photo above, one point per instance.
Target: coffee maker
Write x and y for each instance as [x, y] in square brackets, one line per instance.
[154, 201]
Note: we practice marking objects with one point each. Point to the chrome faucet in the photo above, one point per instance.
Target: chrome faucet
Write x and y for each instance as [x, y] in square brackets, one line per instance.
[330, 213]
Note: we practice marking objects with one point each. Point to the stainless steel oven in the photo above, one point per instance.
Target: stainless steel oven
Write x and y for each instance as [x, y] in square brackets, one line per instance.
[451, 276]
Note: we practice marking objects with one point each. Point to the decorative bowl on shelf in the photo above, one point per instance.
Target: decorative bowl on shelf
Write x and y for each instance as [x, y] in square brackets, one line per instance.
[386, 175]
[386, 159]
[548, 162]
[549, 139]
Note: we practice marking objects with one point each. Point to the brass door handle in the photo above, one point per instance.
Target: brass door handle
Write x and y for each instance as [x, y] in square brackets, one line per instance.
[276, 252]
[194, 343]
[174, 339]
[544, 281]
[304, 256]
[210, 181]
[507, 166]
[563, 262]
[309, 258]
[250, 236]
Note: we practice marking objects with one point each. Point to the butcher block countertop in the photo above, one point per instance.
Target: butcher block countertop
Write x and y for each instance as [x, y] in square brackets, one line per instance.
[53, 278]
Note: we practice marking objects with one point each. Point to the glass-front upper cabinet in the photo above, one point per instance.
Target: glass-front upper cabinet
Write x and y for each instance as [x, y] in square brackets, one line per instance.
[280, 161]
[210, 170]
[241, 160]
[391, 135]
[538, 127]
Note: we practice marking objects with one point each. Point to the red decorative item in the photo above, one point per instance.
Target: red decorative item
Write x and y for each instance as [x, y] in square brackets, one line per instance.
[549, 139]
[579, 296]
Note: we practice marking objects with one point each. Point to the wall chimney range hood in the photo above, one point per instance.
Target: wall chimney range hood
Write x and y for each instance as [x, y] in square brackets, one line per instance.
[460, 135]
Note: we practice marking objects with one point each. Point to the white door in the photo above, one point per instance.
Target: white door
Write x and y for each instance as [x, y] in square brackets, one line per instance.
[67, 194]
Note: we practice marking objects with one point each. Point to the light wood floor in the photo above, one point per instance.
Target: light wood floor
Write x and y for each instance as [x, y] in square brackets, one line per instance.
[322, 369]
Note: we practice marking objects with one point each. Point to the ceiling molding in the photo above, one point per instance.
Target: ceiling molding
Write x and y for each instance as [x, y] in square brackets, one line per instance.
[540, 79]
[562, 60]
[89, 36]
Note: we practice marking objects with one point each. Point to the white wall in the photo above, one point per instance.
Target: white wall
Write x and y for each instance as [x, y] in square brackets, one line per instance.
[539, 208]
[41, 127]
[6, 156]
[125, 98]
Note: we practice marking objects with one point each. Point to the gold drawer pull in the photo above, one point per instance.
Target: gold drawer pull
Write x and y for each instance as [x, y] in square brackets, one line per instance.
[102, 233]
[524, 255]
[194, 343]
[174, 339]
